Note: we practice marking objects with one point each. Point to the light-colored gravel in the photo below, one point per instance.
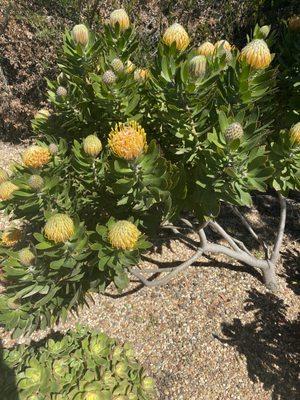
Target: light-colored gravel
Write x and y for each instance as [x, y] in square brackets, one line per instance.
[213, 333]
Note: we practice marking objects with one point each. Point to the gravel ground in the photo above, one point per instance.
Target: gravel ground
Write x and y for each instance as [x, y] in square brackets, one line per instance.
[213, 333]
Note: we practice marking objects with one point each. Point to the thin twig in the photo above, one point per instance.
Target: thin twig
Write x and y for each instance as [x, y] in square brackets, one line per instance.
[218, 228]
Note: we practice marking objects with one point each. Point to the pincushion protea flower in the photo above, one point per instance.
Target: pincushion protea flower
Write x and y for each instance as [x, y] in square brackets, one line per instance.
[117, 65]
[59, 228]
[141, 74]
[127, 140]
[223, 44]
[92, 146]
[26, 257]
[36, 156]
[109, 77]
[119, 16]
[80, 34]
[206, 49]
[123, 235]
[3, 175]
[129, 67]
[234, 131]
[6, 190]
[36, 182]
[61, 91]
[294, 23]
[198, 66]
[257, 54]
[176, 33]
[295, 133]
[11, 236]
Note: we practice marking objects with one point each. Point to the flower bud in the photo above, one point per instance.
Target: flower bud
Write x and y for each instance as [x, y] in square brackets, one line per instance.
[117, 65]
[92, 146]
[129, 67]
[234, 131]
[206, 49]
[61, 91]
[295, 134]
[120, 16]
[223, 44]
[123, 235]
[26, 257]
[6, 190]
[197, 66]
[265, 30]
[109, 77]
[36, 182]
[80, 34]
[178, 35]
[53, 148]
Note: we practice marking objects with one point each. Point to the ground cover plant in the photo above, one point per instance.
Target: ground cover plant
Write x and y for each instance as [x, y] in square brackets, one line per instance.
[79, 365]
[127, 149]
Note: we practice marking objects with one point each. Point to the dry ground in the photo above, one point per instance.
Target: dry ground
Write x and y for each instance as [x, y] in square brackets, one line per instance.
[213, 333]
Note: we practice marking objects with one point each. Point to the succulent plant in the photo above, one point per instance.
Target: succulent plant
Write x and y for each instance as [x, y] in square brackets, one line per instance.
[26, 257]
[257, 54]
[36, 182]
[206, 49]
[109, 77]
[123, 235]
[36, 156]
[198, 66]
[178, 35]
[295, 133]
[128, 140]
[7, 188]
[80, 34]
[92, 146]
[234, 131]
[11, 236]
[121, 18]
[59, 228]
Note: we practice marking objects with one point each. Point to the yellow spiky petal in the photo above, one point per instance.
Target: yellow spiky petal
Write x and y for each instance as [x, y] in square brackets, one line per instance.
[92, 146]
[176, 33]
[36, 156]
[6, 190]
[223, 44]
[3, 175]
[127, 140]
[206, 49]
[59, 228]
[123, 235]
[257, 54]
[11, 236]
[80, 34]
[295, 133]
[120, 16]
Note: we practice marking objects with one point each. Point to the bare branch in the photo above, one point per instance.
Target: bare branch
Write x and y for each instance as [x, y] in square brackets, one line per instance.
[281, 227]
[217, 228]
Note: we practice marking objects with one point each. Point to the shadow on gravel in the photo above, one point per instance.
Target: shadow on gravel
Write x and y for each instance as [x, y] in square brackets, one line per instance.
[270, 344]
[8, 387]
[291, 272]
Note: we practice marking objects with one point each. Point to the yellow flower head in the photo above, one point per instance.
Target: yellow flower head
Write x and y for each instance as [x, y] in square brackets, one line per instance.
[123, 235]
[223, 44]
[80, 34]
[36, 156]
[6, 190]
[127, 140]
[198, 66]
[206, 49]
[257, 54]
[129, 67]
[294, 23]
[295, 133]
[141, 74]
[11, 236]
[26, 257]
[120, 16]
[92, 146]
[3, 175]
[59, 228]
[176, 33]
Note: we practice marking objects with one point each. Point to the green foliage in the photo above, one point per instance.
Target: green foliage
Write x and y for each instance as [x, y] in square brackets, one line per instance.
[81, 365]
[184, 161]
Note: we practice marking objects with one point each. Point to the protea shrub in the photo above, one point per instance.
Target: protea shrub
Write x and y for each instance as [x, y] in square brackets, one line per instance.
[129, 152]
